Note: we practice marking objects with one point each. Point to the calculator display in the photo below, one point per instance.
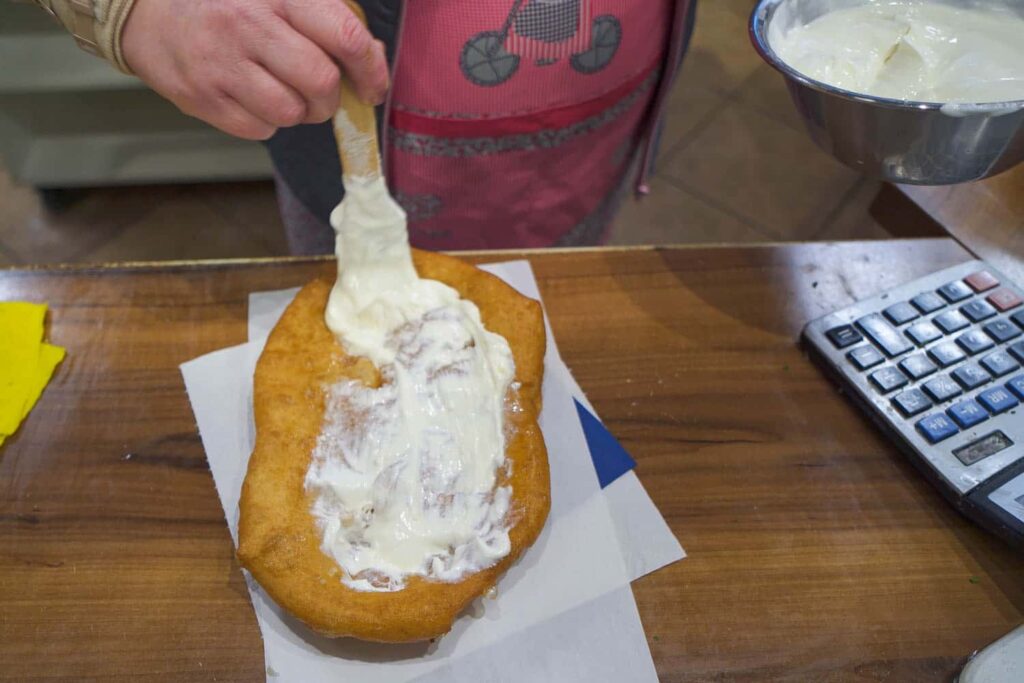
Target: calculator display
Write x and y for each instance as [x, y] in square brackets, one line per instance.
[983, 447]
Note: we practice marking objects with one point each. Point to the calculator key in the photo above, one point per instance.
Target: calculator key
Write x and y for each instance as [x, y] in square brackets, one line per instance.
[929, 302]
[971, 376]
[978, 310]
[942, 388]
[924, 333]
[974, 342]
[1017, 350]
[911, 402]
[946, 354]
[1005, 299]
[883, 334]
[967, 413]
[888, 379]
[917, 366]
[1016, 385]
[844, 336]
[955, 291]
[1019, 319]
[864, 357]
[936, 427]
[951, 321]
[998, 400]
[999, 363]
[982, 281]
[901, 313]
[1002, 330]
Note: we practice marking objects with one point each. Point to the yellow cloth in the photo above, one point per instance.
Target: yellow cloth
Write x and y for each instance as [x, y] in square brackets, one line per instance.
[26, 362]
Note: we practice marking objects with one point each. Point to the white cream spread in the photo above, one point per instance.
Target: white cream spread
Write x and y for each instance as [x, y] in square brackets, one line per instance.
[403, 476]
[911, 50]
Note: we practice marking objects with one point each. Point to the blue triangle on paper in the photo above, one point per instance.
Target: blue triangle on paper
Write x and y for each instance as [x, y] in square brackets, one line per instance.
[610, 459]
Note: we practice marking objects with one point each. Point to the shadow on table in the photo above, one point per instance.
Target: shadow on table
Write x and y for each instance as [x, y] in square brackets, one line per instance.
[770, 294]
[779, 288]
[999, 564]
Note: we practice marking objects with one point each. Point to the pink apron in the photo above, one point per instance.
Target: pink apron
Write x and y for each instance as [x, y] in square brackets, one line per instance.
[514, 122]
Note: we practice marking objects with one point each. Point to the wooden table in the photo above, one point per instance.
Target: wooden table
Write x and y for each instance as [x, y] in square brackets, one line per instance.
[987, 216]
[815, 551]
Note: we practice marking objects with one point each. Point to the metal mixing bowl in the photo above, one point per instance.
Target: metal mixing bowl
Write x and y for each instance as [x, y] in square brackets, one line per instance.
[918, 143]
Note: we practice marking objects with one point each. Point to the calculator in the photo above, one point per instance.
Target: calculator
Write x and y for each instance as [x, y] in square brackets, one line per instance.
[938, 364]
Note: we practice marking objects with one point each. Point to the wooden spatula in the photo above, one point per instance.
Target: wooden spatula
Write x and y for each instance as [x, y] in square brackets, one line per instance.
[355, 128]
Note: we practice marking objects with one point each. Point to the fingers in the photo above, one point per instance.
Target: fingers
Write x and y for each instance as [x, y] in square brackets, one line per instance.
[229, 115]
[265, 97]
[297, 61]
[333, 26]
[249, 68]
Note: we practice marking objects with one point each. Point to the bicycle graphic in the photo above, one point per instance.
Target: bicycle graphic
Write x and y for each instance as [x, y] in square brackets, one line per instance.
[544, 30]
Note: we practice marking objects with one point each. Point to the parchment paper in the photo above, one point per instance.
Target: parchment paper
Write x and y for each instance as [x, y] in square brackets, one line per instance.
[564, 612]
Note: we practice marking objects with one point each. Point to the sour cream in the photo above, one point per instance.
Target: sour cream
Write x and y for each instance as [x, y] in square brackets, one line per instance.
[404, 476]
[911, 50]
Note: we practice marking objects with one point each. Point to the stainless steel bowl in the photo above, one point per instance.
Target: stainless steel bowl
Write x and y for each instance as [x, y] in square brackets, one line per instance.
[918, 143]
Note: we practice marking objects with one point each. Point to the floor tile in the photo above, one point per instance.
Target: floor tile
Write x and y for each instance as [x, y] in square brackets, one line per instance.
[900, 216]
[721, 56]
[185, 228]
[669, 215]
[689, 106]
[7, 259]
[32, 233]
[766, 91]
[137, 223]
[250, 205]
[770, 174]
[853, 220]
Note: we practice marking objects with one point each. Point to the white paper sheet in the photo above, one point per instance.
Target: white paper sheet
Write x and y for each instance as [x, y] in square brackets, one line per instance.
[646, 540]
[622, 657]
[566, 601]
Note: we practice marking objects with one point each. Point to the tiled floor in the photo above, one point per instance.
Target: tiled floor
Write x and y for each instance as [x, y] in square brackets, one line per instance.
[736, 166]
[141, 223]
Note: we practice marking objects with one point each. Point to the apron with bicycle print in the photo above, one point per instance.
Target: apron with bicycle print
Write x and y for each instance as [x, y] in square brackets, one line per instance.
[514, 122]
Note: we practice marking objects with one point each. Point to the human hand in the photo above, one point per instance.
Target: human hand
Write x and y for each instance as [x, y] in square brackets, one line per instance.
[249, 67]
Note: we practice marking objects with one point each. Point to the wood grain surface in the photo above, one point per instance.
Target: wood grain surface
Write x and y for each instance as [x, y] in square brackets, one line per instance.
[816, 553]
[987, 216]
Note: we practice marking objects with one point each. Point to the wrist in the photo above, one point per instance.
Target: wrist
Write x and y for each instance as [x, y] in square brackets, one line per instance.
[96, 25]
[116, 20]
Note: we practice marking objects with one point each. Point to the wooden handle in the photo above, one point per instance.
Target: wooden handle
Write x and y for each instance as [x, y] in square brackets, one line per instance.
[355, 126]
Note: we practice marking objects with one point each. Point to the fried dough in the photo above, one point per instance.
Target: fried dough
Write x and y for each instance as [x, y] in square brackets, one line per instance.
[279, 542]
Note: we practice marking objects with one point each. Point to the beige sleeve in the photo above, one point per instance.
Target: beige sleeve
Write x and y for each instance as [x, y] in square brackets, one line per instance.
[95, 24]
